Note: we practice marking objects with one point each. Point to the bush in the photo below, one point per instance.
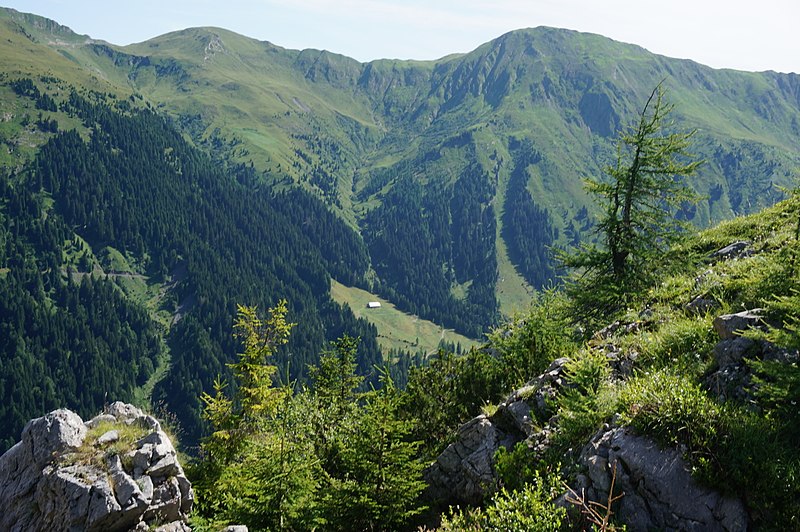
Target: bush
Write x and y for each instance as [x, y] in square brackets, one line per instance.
[673, 409]
[529, 509]
[588, 400]
[528, 344]
[517, 467]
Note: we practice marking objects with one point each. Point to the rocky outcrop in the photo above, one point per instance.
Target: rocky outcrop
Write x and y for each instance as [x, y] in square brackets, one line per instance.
[732, 378]
[118, 471]
[730, 326]
[736, 250]
[658, 492]
[464, 472]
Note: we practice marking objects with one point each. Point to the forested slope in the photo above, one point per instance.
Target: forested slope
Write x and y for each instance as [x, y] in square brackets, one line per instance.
[217, 236]
[77, 343]
[203, 169]
[530, 114]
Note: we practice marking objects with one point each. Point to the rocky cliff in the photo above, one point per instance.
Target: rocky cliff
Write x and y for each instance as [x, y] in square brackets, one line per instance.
[117, 471]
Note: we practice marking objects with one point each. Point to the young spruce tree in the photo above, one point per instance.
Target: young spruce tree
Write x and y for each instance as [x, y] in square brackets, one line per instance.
[259, 466]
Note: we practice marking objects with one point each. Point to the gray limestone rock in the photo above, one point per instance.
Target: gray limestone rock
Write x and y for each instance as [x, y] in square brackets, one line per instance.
[52, 434]
[141, 457]
[102, 418]
[52, 481]
[729, 326]
[732, 378]
[733, 350]
[150, 422]
[123, 411]
[659, 492]
[701, 305]
[736, 250]
[166, 466]
[109, 437]
[464, 472]
[146, 486]
[175, 526]
[166, 502]
[126, 489]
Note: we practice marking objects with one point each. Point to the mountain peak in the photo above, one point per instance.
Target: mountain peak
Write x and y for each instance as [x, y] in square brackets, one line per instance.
[42, 29]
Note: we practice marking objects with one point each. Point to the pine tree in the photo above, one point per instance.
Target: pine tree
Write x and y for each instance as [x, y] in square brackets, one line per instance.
[335, 378]
[255, 398]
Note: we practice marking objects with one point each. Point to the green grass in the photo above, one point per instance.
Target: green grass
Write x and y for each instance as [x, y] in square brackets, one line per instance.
[512, 291]
[142, 395]
[89, 453]
[396, 329]
[114, 261]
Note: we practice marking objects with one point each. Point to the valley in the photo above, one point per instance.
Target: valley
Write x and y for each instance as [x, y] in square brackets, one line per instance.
[397, 330]
[441, 187]
[151, 195]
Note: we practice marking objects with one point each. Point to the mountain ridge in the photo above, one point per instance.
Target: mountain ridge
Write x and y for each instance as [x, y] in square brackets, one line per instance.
[447, 183]
[332, 124]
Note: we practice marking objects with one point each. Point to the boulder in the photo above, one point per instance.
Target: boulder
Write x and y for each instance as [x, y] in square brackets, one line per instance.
[123, 411]
[731, 383]
[733, 350]
[732, 378]
[729, 326]
[102, 418]
[701, 305]
[109, 437]
[54, 479]
[736, 250]
[464, 472]
[658, 492]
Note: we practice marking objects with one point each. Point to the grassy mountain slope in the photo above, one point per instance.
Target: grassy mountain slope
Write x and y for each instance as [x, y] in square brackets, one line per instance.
[453, 177]
[396, 329]
[667, 370]
[349, 131]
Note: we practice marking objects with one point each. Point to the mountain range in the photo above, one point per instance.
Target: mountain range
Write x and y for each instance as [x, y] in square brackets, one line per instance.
[441, 186]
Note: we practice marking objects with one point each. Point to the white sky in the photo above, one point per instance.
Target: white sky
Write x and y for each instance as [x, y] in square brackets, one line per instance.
[747, 35]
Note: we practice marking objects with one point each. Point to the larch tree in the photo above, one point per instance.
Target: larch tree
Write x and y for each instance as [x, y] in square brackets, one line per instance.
[638, 202]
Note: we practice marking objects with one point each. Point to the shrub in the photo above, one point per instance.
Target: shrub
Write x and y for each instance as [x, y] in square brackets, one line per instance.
[517, 467]
[528, 344]
[588, 400]
[529, 509]
[671, 408]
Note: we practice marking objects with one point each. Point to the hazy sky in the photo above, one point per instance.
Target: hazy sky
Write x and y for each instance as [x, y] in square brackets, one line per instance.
[746, 35]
